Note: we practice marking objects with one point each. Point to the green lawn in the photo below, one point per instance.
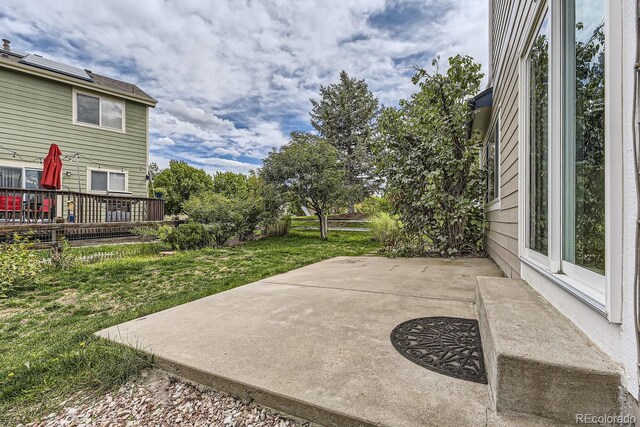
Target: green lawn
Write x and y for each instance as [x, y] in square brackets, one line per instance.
[47, 349]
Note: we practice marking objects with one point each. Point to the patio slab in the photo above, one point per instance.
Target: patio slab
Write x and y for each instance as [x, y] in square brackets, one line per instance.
[315, 343]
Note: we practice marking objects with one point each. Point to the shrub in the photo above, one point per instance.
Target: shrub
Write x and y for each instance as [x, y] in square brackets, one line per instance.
[19, 265]
[431, 164]
[158, 232]
[372, 205]
[223, 216]
[251, 211]
[189, 236]
[62, 256]
[386, 229]
[280, 227]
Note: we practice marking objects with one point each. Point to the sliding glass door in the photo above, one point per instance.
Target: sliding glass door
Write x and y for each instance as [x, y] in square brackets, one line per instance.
[583, 186]
[538, 136]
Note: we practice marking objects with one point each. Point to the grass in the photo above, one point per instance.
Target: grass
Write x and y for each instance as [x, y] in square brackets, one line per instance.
[48, 353]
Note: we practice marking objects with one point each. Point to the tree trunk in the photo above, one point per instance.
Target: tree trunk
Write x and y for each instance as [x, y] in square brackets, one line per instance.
[323, 224]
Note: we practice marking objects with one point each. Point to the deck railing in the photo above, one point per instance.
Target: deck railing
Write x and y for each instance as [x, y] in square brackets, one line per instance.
[22, 206]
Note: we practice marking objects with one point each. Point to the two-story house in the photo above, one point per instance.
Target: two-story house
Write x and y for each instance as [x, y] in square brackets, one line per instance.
[100, 124]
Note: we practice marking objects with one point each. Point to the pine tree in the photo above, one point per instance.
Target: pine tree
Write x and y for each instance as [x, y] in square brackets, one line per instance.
[345, 117]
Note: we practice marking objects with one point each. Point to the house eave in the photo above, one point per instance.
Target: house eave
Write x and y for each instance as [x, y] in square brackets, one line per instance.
[49, 75]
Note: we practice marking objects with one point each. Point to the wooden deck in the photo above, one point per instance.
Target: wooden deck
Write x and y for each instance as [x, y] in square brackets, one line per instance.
[22, 206]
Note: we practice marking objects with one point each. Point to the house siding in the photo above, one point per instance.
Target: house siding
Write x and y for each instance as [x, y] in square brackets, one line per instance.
[35, 113]
[508, 20]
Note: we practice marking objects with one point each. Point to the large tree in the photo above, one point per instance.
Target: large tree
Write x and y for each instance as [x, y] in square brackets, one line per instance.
[231, 184]
[345, 116]
[179, 182]
[307, 171]
[430, 163]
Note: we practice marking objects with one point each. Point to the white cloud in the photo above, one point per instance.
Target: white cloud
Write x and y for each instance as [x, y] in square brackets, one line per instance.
[234, 78]
[162, 142]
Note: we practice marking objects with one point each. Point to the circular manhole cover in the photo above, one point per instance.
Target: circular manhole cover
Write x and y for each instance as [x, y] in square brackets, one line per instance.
[447, 345]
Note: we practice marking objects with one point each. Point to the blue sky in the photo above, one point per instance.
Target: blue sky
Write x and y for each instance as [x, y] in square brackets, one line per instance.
[233, 78]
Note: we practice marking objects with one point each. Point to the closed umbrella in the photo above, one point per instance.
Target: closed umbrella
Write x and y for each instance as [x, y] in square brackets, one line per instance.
[52, 170]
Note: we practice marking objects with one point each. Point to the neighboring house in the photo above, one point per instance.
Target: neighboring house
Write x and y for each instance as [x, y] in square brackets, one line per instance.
[100, 124]
[559, 150]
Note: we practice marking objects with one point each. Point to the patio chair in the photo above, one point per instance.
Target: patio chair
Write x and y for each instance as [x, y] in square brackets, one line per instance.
[9, 205]
[43, 210]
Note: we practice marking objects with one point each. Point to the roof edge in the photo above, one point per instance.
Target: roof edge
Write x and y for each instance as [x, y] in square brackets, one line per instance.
[42, 73]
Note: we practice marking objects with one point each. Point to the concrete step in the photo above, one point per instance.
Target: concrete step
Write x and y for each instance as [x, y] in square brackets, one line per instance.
[538, 362]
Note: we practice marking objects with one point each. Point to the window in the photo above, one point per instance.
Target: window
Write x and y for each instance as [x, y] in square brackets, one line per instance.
[584, 142]
[20, 177]
[492, 163]
[10, 177]
[32, 178]
[538, 140]
[107, 181]
[98, 111]
[572, 223]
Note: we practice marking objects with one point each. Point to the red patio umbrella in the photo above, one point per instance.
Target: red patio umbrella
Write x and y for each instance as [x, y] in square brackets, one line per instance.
[52, 169]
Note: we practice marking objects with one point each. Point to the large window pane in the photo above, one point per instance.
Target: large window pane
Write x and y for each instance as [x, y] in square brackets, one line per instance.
[116, 181]
[88, 109]
[10, 177]
[583, 155]
[111, 114]
[538, 235]
[98, 181]
[32, 178]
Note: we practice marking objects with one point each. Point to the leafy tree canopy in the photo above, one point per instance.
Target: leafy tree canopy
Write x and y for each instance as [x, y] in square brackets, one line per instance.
[431, 166]
[307, 171]
[231, 184]
[179, 182]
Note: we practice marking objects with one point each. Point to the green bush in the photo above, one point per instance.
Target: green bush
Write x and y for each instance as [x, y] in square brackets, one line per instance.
[62, 256]
[223, 216]
[430, 163]
[189, 236]
[19, 265]
[386, 229]
[251, 211]
[157, 232]
[280, 227]
[373, 205]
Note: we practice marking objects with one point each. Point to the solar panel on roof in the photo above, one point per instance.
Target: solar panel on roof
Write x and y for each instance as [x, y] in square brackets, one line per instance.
[57, 67]
[13, 52]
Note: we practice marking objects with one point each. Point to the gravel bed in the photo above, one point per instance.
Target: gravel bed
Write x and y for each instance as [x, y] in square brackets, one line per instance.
[156, 399]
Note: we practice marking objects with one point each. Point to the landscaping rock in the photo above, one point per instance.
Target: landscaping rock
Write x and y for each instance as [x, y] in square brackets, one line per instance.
[158, 400]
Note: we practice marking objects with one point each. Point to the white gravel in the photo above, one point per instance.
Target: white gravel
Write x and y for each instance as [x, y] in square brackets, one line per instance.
[158, 400]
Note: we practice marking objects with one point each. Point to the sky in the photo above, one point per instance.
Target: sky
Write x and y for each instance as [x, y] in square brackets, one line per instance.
[233, 78]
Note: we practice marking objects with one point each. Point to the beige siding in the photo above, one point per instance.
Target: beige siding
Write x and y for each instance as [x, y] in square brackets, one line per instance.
[35, 113]
[507, 24]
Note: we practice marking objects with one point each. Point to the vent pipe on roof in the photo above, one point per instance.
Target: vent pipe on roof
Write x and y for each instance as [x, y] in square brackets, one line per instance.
[5, 44]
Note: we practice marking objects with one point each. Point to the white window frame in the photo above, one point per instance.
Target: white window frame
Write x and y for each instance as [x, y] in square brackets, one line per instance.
[74, 109]
[541, 260]
[24, 166]
[108, 172]
[603, 293]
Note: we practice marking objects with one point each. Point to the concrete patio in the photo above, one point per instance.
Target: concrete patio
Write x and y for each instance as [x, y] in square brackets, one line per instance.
[315, 343]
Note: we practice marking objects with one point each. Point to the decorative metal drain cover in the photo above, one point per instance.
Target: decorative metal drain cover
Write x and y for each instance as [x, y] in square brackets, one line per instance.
[447, 345]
